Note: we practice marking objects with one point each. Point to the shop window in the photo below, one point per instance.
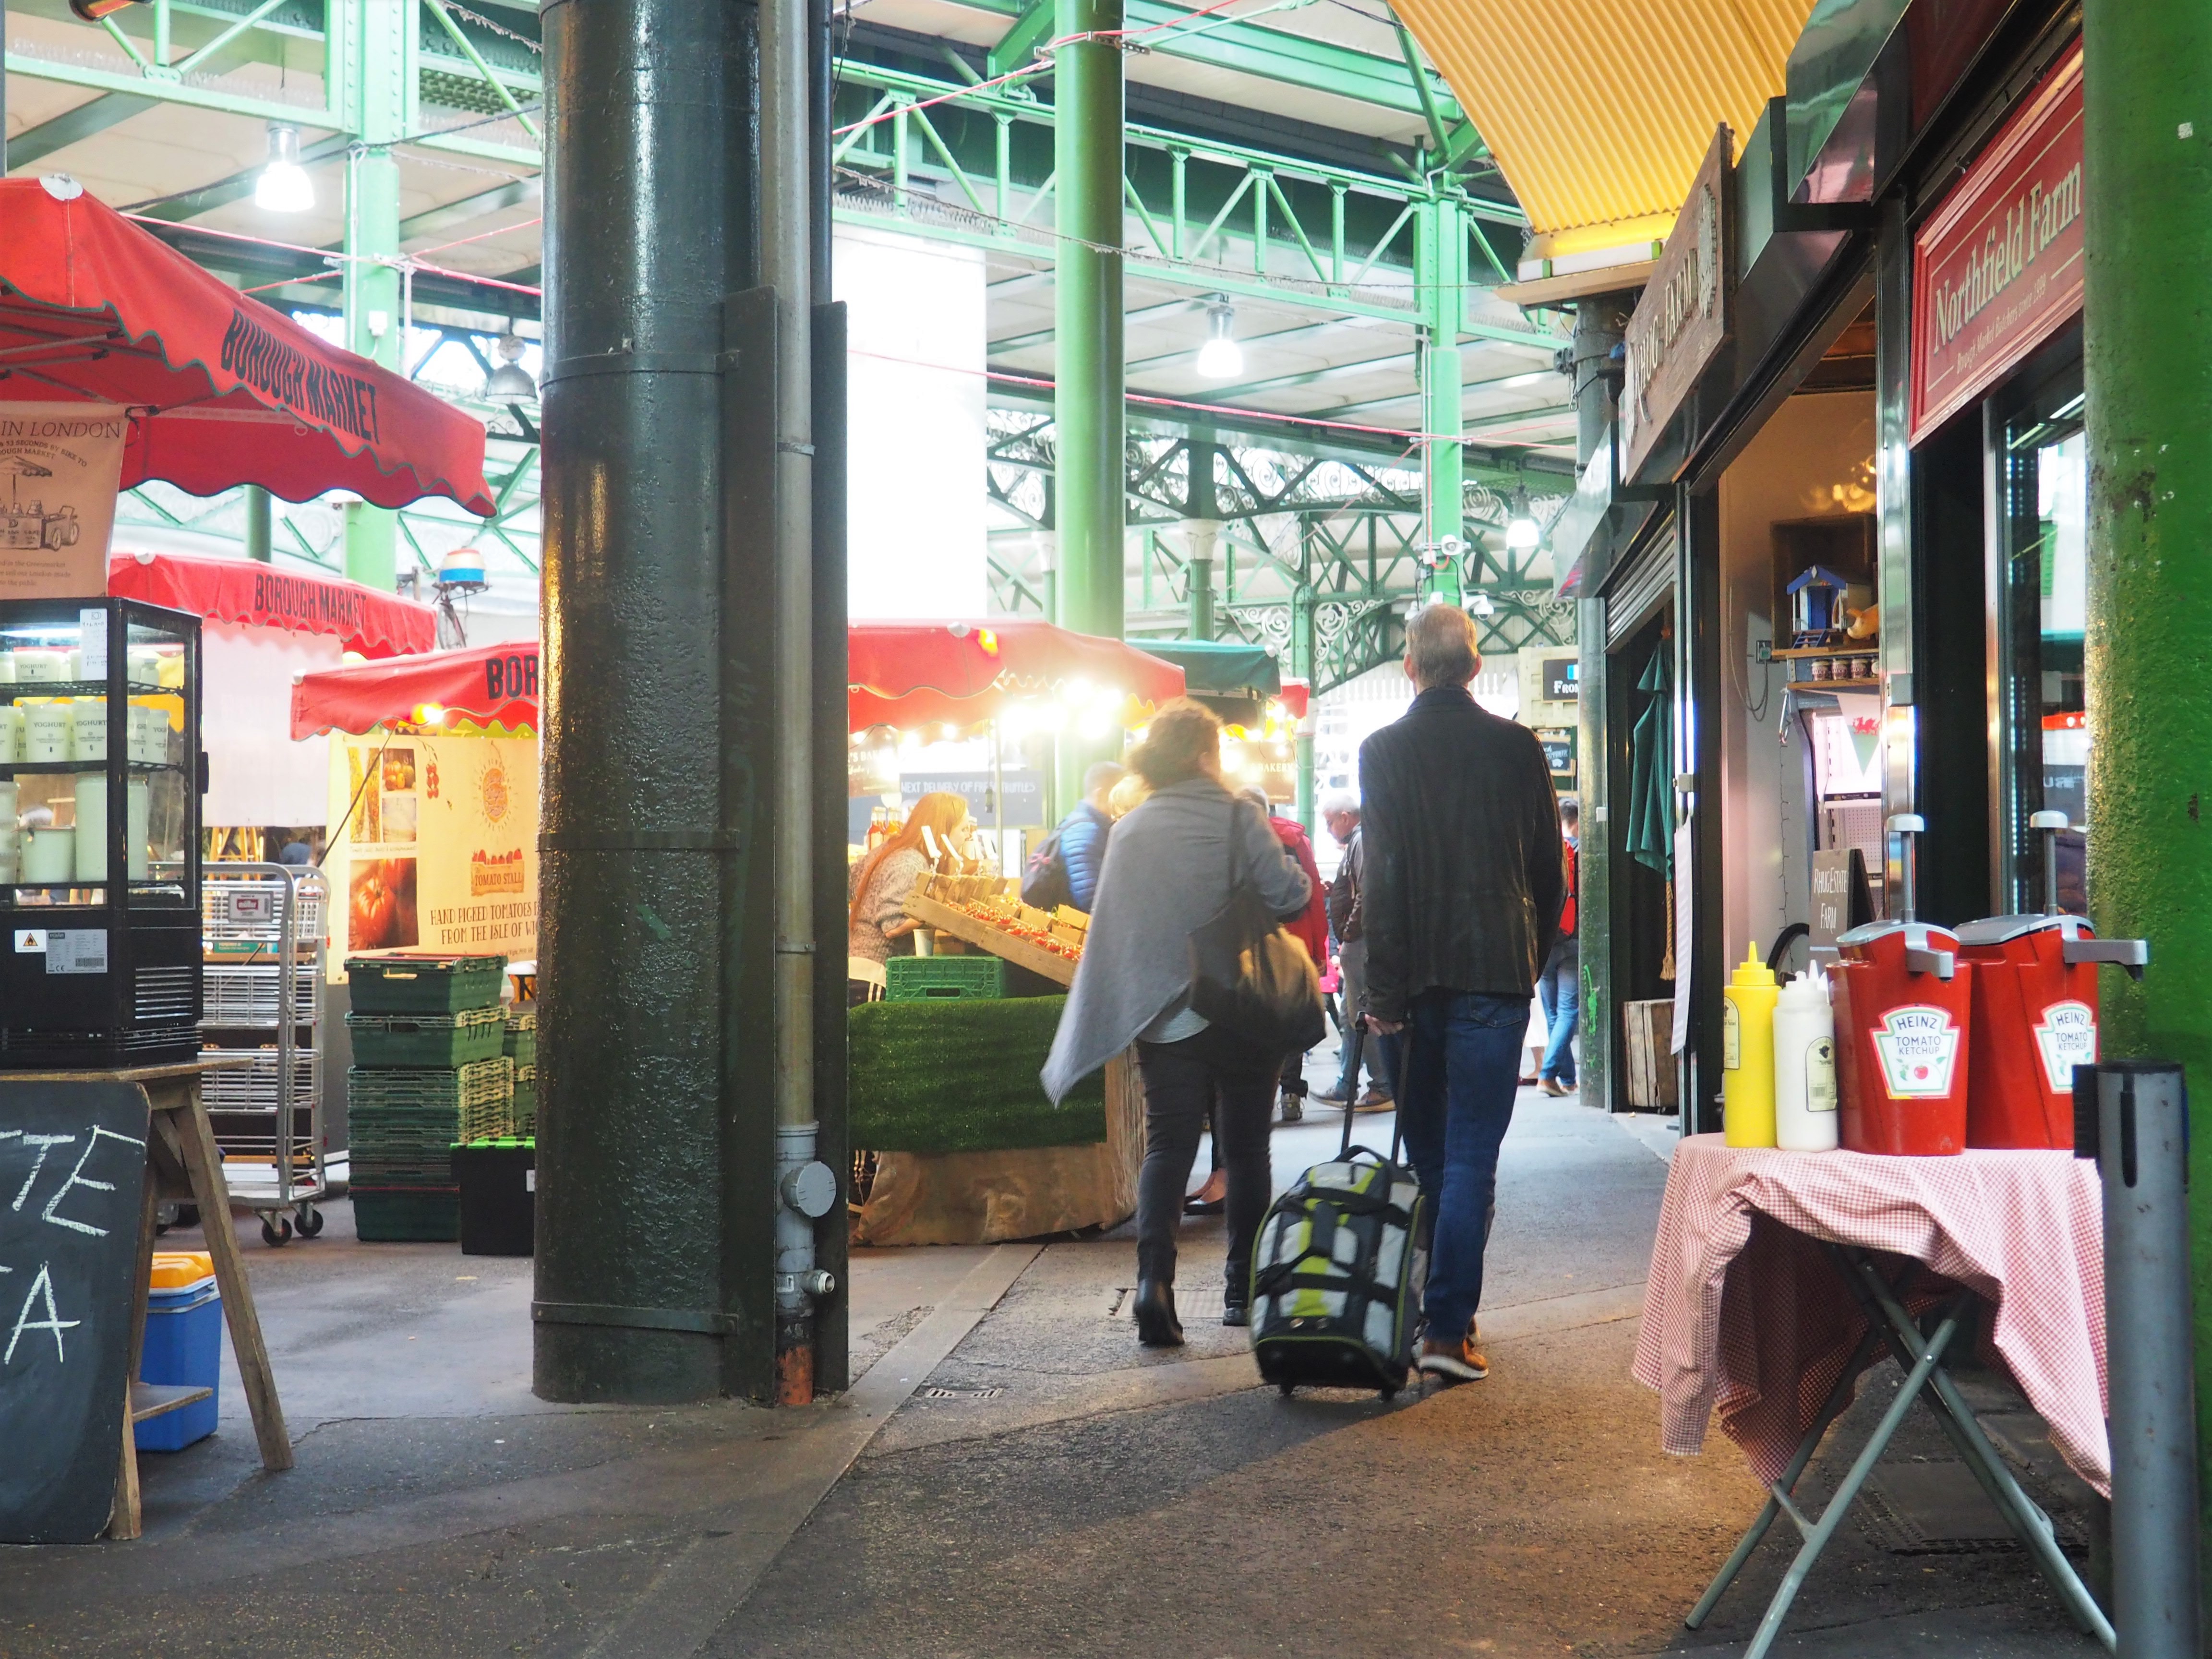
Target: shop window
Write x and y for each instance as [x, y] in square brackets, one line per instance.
[2044, 541]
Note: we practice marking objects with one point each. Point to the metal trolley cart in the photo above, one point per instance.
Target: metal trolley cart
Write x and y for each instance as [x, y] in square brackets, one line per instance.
[263, 930]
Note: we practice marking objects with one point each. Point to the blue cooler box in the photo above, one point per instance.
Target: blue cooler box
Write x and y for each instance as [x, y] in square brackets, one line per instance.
[183, 1344]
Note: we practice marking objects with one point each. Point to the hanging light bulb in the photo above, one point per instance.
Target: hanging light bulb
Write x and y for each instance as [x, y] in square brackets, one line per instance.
[1220, 358]
[283, 187]
[1521, 530]
[510, 380]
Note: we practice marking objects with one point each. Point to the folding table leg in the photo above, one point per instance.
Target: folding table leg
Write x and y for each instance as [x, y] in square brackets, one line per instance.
[1818, 1533]
[1832, 1408]
[2022, 1512]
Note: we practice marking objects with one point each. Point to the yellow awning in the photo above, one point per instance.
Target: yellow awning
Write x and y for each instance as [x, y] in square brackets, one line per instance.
[1599, 111]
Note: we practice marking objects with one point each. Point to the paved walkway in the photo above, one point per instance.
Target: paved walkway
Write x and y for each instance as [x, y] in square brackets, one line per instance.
[1015, 1476]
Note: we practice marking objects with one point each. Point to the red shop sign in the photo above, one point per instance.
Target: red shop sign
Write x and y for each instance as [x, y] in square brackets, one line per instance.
[1997, 270]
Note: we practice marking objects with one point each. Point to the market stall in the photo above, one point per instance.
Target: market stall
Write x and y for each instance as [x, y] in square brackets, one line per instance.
[433, 792]
[961, 1145]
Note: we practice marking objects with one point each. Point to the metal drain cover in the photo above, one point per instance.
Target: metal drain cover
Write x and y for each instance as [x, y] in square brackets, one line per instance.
[1193, 1302]
[961, 1394]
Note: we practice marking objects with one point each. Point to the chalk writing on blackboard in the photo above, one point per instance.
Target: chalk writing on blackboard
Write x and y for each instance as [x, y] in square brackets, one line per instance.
[72, 1185]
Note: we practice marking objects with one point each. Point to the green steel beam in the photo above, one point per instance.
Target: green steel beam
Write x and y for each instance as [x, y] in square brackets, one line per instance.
[1268, 54]
[34, 144]
[379, 55]
[1031, 27]
[190, 204]
[1429, 112]
[438, 219]
[1517, 417]
[1440, 267]
[168, 92]
[1038, 337]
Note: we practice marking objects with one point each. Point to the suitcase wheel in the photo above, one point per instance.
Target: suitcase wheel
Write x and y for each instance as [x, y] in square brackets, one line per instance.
[1288, 1387]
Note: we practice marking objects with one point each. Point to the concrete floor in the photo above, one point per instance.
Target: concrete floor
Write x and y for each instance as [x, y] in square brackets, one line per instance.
[1027, 1480]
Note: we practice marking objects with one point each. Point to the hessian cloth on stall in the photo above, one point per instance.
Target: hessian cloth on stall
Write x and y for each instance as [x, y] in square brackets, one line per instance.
[223, 390]
[1749, 1317]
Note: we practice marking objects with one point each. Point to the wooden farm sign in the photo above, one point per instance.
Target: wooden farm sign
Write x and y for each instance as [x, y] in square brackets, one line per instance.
[1683, 317]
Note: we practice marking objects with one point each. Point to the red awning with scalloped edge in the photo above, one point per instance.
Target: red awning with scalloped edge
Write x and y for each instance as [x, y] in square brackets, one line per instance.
[963, 674]
[244, 590]
[223, 390]
[489, 687]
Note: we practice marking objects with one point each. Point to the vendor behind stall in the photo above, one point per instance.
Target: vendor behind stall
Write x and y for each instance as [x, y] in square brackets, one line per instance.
[879, 927]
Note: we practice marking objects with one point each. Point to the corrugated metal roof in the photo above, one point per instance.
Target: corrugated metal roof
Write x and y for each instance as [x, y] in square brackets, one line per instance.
[1599, 111]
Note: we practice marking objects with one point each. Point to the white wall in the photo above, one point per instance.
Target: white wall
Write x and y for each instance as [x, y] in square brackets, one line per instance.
[916, 527]
[1814, 457]
[256, 773]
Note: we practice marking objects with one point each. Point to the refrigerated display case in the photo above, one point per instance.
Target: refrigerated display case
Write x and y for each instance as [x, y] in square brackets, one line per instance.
[101, 778]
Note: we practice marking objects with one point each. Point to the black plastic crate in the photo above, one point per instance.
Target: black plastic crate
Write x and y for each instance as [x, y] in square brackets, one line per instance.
[498, 1182]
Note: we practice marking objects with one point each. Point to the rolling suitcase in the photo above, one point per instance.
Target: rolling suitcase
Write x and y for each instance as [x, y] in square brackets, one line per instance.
[1336, 1275]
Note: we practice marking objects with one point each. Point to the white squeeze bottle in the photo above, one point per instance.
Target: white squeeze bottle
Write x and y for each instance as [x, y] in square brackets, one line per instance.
[1805, 1066]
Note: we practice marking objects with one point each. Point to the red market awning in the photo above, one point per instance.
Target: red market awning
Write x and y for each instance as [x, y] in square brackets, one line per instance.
[242, 591]
[223, 390]
[961, 674]
[487, 688]
[908, 674]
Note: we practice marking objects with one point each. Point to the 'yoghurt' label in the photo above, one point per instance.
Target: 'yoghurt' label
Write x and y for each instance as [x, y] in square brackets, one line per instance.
[2066, 1037]
[1919, 1046]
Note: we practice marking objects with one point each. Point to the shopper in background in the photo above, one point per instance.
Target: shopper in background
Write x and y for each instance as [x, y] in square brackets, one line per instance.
[1064, 869]
[1171, 867]
[1559, 988]
[1340, 811]
[1461, 901]
[1125, 797]
[878, 925]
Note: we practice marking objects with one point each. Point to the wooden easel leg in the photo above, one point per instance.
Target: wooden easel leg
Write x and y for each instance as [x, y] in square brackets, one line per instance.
[213, 1196]
[122, 1519]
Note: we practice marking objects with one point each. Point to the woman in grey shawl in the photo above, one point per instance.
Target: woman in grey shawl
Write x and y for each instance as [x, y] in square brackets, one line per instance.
[1169, 867]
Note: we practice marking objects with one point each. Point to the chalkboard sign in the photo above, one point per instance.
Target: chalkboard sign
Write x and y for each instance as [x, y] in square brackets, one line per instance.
[72, 1163]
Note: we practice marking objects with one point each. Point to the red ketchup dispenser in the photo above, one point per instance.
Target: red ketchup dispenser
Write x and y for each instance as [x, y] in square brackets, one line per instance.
[2035, 1012]
[1903, 1009]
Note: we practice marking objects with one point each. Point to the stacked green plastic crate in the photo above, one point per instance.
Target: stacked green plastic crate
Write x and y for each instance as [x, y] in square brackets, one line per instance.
[522, 1049]
[427, 1072]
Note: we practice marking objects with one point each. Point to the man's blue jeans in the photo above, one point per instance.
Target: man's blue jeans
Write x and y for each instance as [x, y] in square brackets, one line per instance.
[1461, 1071]
[1559, 988]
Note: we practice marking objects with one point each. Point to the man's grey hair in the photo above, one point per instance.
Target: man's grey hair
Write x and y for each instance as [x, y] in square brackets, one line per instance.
[1102, 777]
[1440, 645]
[1339, 800]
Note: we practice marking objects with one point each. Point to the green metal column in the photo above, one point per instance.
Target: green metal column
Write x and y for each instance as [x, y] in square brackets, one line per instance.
[382, 73]
[2147, 177]
[1303, 606]
[260, 524]
[1440, 267]
[1087, 140]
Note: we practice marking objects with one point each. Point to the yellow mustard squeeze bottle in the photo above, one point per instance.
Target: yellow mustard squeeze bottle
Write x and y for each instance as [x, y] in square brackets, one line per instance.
[1748, 1052]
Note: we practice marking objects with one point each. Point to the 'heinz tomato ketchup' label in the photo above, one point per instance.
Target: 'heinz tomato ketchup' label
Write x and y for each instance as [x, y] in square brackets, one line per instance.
[1919, 1046]
[2066, 1037]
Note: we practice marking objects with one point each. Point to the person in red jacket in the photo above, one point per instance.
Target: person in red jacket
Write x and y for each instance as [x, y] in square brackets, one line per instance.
[1310, 930]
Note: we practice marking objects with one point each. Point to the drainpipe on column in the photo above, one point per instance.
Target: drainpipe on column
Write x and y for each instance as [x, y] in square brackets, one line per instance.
[805, 1188]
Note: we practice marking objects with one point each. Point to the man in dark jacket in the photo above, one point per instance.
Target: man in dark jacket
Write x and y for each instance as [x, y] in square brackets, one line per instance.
[1463, 885]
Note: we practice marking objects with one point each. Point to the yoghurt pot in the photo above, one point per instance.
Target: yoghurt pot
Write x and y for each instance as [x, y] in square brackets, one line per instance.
[48, 733]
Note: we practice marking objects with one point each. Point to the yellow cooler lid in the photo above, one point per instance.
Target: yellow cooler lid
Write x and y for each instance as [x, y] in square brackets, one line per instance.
[178, 1270]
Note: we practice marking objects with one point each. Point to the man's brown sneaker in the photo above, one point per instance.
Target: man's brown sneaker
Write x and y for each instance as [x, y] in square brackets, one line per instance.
[1454, 1363]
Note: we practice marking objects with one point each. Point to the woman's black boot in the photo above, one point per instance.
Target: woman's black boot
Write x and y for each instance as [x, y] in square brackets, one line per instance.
[1156, 1324]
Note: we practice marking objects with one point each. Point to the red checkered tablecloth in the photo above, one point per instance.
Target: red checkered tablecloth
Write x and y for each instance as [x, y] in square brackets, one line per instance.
[1744, 1312]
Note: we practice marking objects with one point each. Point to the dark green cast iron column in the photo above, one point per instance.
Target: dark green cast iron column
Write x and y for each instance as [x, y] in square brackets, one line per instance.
[648, 177]
[2146, 196]
[1087, 315]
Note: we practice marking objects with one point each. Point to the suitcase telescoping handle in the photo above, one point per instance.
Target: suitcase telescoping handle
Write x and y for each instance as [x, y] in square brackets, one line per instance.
[1358, 1040]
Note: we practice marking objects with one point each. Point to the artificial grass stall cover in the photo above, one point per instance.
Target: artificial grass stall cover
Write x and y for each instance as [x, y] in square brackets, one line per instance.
[962, 1077]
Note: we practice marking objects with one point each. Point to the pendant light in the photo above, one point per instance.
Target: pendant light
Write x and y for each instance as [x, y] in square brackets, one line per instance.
[283, 187]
